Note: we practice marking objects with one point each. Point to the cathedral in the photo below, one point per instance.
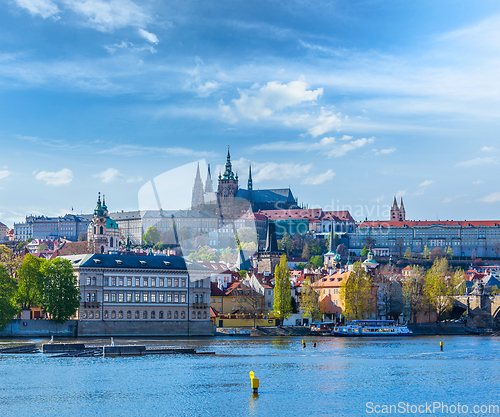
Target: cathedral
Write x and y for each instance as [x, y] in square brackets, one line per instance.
[231, 199]
[398, 214]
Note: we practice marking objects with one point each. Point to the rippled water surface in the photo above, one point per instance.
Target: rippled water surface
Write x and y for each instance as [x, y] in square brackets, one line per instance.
[337, 378]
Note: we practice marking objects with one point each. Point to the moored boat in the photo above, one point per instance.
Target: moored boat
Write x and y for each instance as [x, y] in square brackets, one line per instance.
[373, 328]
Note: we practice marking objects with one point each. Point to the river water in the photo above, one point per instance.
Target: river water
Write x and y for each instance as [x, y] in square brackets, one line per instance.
[340, 377]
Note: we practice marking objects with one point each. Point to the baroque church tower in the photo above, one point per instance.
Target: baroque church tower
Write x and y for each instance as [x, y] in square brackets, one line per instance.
[102, 234]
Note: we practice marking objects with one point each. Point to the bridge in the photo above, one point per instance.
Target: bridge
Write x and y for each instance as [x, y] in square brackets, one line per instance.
[483, 311]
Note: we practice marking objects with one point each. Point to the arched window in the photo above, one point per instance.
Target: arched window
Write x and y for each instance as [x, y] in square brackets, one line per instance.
[84, 315]
[199, 315]
[93, 297]
[101, 230]
[105, 314]
[153, 315]
[201, 298]
[111, 242]
[204, 314]
[91, 315]
[169, 314]
[102, 249]
[93, 280]
[183, 314]
[176, 314]
[113, 314]
[97, 314]
[137, 314]
[193, 315]
[160, 315]
[129, 314]
[196, 298]
[120, 314]
[94, 230]
[88, 297]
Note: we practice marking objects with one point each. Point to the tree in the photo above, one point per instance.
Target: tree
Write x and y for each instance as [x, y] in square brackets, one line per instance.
[317, 261]
[249, 300]
[426, 252]
[364, 251]
[306, 253]
[30, 280]
[407, 254]
[356, 293]
[287, 243]
[152, 236]
[438, 292]
[282, 307]
[300, 266]
[399, 244]
[437, 253]
[449, 252]
[159, 246]
[473, 255]
[369, 242]
[82, 237]
[59, 293]
[309, 303]
[9, 260]
[496, 248]
[389, 295]
[413, 291]
[8, 308]
[42, 246]
[342, 250]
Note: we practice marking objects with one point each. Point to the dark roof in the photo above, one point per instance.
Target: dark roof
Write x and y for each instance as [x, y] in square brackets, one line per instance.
[132, 261]
[267, 196]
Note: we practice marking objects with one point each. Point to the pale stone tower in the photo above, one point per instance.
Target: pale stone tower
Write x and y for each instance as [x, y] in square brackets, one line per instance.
[102, 234]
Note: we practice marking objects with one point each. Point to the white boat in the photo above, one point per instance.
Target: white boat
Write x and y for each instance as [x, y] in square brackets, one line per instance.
[373, 328]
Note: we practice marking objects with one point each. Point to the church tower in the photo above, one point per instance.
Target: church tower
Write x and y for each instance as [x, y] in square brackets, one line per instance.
[228, 182]
[250, 182]
[394, 211]
[402, 213]
[102, 234]
[197, 198]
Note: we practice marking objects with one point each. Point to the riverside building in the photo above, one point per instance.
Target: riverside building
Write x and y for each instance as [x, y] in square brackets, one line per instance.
[131, 295]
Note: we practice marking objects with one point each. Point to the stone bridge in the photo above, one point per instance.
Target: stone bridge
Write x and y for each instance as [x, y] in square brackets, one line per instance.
[483, 311]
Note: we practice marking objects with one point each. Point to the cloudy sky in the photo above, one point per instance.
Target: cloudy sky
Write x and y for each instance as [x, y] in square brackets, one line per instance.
[348, 102]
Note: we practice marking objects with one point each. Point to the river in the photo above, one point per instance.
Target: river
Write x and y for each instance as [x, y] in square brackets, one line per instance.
[339, 377]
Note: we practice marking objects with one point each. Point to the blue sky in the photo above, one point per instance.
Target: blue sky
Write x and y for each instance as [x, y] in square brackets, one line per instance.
[348, 102]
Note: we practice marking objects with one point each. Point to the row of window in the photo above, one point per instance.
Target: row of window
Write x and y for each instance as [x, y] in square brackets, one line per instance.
[140, 282]
[144, 297]
[145, 314]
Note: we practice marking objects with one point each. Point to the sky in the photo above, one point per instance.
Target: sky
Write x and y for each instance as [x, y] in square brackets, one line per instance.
[347, 102]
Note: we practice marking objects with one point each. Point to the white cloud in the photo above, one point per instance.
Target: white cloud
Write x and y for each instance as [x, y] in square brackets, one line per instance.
[272, 97]
[62, 177]
[345, 137]
[401, 193]
[491, 198]
[447, 200]
[135, 150]
[150, 37]
[488, 160]
[278, 171]
[347, 147]
[205, 88]
[319, 179]
[129, 46]
[107, 16]
[110, 175]
[487, 148]
[426, 183]
[44, 8]
[325, 122]
[387, 151]
[477, 182]
[4, 174]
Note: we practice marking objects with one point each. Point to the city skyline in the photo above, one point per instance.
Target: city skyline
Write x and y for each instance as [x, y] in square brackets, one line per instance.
[348, 103]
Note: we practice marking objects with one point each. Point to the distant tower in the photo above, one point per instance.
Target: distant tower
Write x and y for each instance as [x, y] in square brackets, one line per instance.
[102, 234]
[209, 188]
[402, 213]
[394, 211]
[250, 182]
[270, 256]
[197, 200]
[228, 182]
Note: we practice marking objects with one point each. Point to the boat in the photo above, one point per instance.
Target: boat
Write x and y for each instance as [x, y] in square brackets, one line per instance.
[372, 328]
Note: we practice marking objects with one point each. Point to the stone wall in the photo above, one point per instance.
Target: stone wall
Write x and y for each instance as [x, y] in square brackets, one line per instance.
[40, 328]
[145, 328]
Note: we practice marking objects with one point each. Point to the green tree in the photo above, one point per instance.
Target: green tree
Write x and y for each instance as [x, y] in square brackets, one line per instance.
[439, 293]
[407, 254]
[8, 307]
[306, 253]
[247, 238]
[317, 261]
[59, 293]
[356, 293]
[300, 266]
[152, 236]
[287, 243]
[30, 278]
[10, 261]
[449, 252]
[309, 303]
[42, 246]
[364, 252]
[426, 253]
[282, 307]
[413, 292]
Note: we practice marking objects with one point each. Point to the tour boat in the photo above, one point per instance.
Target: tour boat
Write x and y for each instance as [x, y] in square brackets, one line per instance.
[373, 328]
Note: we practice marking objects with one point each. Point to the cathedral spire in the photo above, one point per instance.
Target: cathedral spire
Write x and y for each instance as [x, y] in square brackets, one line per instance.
[209, 188]
[250, 182]
[228, 173]
[197, 199]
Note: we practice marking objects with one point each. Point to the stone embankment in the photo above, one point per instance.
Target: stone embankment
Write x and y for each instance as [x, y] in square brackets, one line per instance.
[433, 329]
[265, 331]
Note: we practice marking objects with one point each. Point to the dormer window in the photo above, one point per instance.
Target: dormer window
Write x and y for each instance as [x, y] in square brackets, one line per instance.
[166, 263]
[97, 261]
[142, 262]
[119, 262]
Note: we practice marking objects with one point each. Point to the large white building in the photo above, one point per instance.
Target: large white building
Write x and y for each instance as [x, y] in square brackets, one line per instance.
[132, 295]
